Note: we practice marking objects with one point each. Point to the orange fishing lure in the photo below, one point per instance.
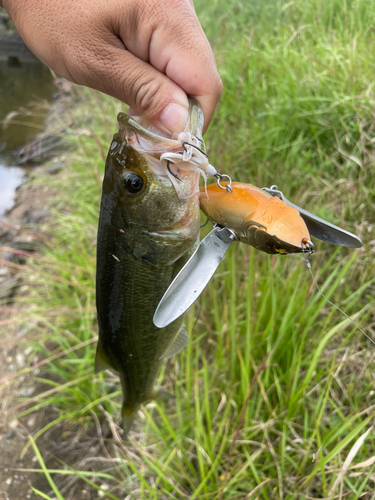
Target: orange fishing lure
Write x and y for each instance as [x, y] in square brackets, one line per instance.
[263, 221]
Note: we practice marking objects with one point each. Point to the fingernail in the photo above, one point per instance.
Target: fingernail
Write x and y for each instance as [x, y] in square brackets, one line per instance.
[174, 117]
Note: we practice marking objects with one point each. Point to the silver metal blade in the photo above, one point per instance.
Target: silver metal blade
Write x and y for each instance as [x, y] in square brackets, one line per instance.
[326, 231]
[194, 276]
[320, 228]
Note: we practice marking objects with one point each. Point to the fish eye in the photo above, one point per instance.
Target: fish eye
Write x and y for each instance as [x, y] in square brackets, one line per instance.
[132, 182]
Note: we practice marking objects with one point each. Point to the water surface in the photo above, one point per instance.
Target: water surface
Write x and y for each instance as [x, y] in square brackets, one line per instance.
[25, 90]
[10, 179]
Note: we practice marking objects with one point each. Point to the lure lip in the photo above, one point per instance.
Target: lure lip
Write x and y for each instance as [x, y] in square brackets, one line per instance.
[194, 276]
[318, 227]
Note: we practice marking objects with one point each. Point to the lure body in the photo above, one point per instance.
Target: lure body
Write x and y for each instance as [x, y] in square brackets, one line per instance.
[258, 219]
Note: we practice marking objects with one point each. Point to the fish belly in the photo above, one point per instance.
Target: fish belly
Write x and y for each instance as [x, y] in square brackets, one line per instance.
[128, 292]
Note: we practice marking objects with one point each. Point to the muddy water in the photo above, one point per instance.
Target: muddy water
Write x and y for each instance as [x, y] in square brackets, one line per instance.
[25, 90]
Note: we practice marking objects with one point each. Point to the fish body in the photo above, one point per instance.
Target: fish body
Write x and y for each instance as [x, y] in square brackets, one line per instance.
[258, 219]
[146, 233]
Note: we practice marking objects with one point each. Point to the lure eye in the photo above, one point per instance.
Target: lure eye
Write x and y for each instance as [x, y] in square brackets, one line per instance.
[132, 182]
[282, 251]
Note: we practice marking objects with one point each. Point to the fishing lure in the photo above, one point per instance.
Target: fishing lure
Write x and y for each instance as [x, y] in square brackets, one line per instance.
[257, 218]
[263, 218]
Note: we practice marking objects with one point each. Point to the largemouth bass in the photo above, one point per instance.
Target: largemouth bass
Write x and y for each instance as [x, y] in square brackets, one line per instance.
[146, 233]
[257, 218]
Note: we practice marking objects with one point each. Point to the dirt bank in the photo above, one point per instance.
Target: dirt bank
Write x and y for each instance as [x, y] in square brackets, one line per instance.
[12, 47]
[31, 209]
[22, 236]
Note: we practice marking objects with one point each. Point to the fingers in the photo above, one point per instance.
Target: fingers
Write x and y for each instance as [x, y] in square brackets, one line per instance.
[149, 92]
[178, 48]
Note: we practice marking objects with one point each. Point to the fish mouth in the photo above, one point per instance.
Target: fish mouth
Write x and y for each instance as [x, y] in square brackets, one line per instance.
[161, 150]
[145, 137]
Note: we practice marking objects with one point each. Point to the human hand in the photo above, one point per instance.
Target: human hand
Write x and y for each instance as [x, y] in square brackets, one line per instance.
[150, 54]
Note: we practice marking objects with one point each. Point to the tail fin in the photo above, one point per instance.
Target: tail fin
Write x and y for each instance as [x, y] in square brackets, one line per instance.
[128, 416]
[129, 413]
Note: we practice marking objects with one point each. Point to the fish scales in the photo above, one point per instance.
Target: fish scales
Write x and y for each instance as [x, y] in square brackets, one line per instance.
[135, 351]
[146, 234]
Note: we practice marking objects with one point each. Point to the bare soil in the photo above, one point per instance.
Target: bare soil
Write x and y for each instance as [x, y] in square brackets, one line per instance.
[31, 207]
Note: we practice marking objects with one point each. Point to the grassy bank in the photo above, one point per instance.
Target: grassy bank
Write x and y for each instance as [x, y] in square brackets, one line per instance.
[275, 387]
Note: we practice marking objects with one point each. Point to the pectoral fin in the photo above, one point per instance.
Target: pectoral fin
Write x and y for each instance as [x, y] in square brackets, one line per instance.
[159, 394]
[179, 342]
[101, 360]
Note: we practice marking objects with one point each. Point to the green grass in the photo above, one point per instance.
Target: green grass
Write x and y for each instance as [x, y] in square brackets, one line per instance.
[276, 386]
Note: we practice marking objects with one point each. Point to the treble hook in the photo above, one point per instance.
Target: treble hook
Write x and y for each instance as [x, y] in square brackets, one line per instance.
[205, 224]
[184, 143]
[170, 171]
